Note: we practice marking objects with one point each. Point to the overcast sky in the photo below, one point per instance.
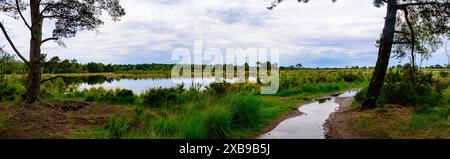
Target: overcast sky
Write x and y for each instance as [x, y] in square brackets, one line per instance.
[317, 34]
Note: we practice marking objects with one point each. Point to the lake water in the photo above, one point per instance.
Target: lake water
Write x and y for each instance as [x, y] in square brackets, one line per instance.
[139, 86]
[310, 124]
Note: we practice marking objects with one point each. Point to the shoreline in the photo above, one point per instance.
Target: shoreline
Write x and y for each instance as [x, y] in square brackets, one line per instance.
[337, 126]
[294, 112]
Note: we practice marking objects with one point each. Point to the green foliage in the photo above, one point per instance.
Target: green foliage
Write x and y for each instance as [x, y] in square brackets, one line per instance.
[90, 98]
[360, 95]
[166, 127]
[245, 110]
[406, 88]
[443, 74]
[427, 116]
[117, 128]
[218, 123]
[11, 88]
[193, 127]
[308, 81]
[218, 88]
[118, 96]
[142, 119]
[350, 77]
[160, 97]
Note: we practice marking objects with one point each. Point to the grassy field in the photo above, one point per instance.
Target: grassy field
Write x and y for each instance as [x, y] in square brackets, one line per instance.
[227, 110]
[221, 111]
[395, 121]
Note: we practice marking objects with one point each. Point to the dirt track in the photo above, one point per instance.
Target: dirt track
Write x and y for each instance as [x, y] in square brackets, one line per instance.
[337, 126]
[56, 119]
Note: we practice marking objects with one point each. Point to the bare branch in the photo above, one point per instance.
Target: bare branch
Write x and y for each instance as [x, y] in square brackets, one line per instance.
[13, 46]
[402, 32]
[51, 78]
[401, 42]
[21, 15]
[48, 39]
[412, 35]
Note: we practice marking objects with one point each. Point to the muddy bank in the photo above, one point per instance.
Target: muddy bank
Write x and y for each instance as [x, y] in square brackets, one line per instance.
[56, 119]
[337, 126]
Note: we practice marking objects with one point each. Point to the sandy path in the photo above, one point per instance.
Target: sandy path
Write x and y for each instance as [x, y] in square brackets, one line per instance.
[337, 126]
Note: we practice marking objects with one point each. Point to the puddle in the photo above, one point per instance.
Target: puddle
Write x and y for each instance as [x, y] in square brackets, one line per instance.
[309, 125]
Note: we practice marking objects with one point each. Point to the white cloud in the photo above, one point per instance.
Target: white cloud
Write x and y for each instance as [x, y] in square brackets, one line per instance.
[306, 33]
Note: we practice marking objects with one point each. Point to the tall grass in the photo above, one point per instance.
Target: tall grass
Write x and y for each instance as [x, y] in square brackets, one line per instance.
[222, 110]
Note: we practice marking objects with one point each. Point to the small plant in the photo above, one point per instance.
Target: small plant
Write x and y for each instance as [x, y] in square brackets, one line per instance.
[142, 119]
[218, 123]
[218, 88]
[90, 98]
[166, 126]
[117, 128]
[245, 110]
[193, 127]
[443, 74]
[160, 97]
[350, 77]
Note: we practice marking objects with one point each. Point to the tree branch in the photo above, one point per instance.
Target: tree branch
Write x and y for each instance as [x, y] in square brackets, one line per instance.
[21, 15]
[413, 40]
[401, 6]
[401, 42]
[51, 78]
[402, 32]
[13, 46]
[48, 39]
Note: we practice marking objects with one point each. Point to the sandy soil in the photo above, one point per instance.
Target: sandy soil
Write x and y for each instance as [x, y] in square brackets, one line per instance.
[337, 126]
[56, 119]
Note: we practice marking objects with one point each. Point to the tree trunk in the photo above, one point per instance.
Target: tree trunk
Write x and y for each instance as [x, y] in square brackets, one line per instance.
[34, 72]
[384, 53]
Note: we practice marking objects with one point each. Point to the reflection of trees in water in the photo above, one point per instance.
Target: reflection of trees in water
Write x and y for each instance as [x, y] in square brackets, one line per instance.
[91, 80]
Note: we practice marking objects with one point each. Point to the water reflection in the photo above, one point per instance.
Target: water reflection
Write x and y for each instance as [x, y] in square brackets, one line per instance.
[309, 125]
[139, 86]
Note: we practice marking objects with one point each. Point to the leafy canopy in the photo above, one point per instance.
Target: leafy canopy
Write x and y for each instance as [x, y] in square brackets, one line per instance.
[70, 16]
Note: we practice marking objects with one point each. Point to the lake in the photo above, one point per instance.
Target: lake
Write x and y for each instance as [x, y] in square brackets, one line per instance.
[139, 86]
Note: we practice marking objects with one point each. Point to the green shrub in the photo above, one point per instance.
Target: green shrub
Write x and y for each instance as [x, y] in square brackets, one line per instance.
[90, 98]
[119, 96]
[166, 126]
[218, 123]
[117, 128]
[124, 93]
[218, 88]
[360, 95]
[193, 127]
[427, 116]
[123, 96]
[443, 74]
[11, 88]
[160, 97]
[405, 88]
[350, 77]
[245, 110]
[142, 119]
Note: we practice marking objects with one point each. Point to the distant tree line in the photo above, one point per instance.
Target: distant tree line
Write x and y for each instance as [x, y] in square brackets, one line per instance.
[55, 65]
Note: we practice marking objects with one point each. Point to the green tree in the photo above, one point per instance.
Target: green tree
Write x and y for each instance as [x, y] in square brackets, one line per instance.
[70, 16]
[430, 15]
[5, 60]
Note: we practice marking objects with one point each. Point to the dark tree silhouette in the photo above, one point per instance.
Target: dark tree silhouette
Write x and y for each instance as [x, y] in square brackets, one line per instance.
[70, 16]
[431, 16]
